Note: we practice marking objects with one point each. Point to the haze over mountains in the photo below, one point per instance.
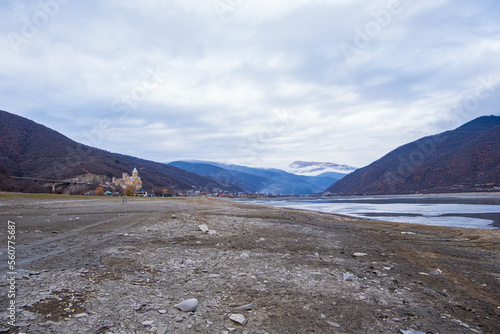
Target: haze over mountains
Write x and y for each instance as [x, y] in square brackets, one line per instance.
[261, 180]
[466, 159]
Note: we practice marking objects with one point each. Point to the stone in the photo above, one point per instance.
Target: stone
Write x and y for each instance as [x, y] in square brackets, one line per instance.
[436, 272]
[238, 318]
[246, 307]
[147, 322]
[333, 324]
[410, 332]
[244, 256]
[80, 315]
[162, 329]
[203, 228]
[316, 276]
[212, 232]
[162, 311]
[409, 233]
[348, 277]
[359, 254]
[188, 305]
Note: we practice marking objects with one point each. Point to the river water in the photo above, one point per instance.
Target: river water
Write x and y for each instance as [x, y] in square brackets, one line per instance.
[473, 211]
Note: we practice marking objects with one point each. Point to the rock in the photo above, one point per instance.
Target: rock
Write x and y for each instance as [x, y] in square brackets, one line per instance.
[246, 307]
[162, 311]
[316, 276]
[436, 272]
[349, 277]
[80, 315]
[410, 233]
[214, 276]
[203, 228]
[162, 329]
[238, 318]
[410, 332]
[4, 330]
[174, 216]
[189, 262]
[322, 316]
[147, 323]
[333, 324]
[244, 256]
[212, 232]
[359, 254]
[179, 319]
[188, 305]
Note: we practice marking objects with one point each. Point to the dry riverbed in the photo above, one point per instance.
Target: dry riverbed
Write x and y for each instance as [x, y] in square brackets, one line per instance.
[96, 265]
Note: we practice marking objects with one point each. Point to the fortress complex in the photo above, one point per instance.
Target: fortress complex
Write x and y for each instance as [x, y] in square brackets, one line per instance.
[126, 180]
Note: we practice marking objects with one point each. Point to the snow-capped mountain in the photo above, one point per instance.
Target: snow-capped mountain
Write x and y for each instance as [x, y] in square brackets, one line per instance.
[319, 168]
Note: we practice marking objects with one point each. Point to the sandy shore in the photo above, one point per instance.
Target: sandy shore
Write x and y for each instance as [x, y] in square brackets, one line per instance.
[95, 265]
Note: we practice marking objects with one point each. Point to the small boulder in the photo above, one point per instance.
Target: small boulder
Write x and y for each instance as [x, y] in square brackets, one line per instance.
[203, 228]
[359, 254]
[188, 305]
[238, 318]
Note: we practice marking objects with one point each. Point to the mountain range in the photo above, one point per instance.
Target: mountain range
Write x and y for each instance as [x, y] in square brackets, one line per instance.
[260, 180]
[29, 149]
[466, 159]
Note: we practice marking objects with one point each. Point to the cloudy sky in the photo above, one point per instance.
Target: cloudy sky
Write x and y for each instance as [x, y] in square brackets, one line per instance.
[253, 82]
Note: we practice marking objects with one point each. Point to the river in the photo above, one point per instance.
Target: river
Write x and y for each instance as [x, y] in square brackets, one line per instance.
[472, 211]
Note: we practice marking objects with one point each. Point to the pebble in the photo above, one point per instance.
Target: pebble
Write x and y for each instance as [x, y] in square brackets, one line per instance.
[203, 228]
[214, 275]
[147, 323]
[436, 272]
[80, 315]
[348, 277]
[238, 318]
[410, 332]
[244, 256]
[188, 305]
[162, 311]
[162, 329]
[333, 324]
[243, 308]
[359, 254]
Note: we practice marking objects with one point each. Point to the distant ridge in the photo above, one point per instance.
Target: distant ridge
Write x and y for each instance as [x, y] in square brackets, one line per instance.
[466, 159]
[258, 180]
[29, 149]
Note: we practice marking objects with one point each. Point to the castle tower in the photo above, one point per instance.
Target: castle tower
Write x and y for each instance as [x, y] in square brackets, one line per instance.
[135, 173]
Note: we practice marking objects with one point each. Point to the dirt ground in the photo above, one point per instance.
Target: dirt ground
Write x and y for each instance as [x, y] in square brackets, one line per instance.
[96, 265]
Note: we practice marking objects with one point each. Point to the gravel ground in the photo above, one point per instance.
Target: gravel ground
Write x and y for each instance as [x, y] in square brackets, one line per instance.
[96, 265]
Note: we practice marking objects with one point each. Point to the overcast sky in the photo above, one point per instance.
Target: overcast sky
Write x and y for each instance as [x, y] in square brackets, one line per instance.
[252, 82]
